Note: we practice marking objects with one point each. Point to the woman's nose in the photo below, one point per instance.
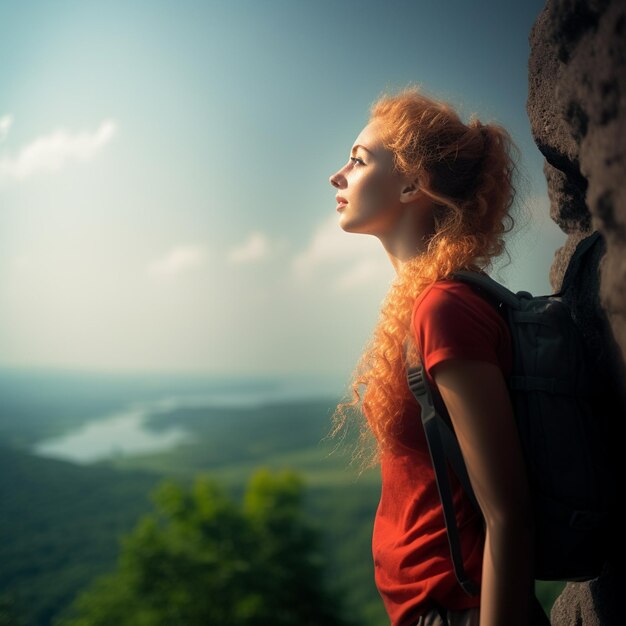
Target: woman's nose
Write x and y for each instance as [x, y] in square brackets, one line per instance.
[336, 180]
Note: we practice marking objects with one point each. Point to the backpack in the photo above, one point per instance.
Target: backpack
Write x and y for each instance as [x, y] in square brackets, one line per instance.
[560, 435]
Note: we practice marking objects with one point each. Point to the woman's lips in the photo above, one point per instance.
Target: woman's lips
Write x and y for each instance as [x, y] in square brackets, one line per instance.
[341, 203]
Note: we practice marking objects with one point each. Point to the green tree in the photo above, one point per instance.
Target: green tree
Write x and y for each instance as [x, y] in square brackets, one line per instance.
[9, 613]
[202, 559]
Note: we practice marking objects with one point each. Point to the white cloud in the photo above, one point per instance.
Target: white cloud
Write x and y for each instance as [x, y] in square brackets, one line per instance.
[330, 244]
[6, 121]
[51, 152]
[178, 260]
[352, 259]
[255, 247]
[363, 272]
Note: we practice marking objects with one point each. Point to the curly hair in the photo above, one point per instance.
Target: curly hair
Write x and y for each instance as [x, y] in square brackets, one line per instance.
[468, 171]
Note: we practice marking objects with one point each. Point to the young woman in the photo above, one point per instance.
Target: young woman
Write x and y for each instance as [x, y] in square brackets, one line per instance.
[438, 194]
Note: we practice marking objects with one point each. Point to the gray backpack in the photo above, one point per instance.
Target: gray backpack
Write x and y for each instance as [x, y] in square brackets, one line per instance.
[562, 443]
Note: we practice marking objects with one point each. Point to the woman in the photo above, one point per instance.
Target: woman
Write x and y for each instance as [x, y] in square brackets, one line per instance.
[438, 194]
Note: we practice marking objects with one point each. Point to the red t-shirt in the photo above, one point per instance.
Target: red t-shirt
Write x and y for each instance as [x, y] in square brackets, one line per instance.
[412, 561]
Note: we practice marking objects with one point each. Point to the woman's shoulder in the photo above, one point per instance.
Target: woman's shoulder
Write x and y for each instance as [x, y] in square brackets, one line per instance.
[446, 293]
[452, 303]
[452, 320]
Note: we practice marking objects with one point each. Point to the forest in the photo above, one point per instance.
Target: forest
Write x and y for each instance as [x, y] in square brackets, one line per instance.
[257, 513]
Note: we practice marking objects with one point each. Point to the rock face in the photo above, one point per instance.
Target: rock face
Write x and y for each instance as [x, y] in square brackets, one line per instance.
[577, 110]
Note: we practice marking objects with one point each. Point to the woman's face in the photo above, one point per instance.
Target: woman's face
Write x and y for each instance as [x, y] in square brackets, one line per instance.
[368, 187]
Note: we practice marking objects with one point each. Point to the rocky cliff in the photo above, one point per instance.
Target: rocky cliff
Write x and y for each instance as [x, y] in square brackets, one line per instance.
[577, 109]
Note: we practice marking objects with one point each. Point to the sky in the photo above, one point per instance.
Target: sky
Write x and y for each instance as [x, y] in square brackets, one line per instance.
[164, 194]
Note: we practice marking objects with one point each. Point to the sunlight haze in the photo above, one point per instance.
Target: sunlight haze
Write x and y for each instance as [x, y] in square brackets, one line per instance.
[164, 194]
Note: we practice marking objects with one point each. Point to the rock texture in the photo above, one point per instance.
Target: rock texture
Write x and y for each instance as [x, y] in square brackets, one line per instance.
[577, 109]
[594, 603]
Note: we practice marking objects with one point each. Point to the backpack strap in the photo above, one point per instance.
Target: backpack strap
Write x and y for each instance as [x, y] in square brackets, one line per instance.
[443, 446]
[493, 288]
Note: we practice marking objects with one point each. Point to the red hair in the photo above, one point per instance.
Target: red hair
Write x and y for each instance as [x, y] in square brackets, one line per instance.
[468, 171]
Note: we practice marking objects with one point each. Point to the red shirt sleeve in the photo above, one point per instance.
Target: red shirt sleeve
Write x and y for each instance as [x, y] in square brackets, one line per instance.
[452, 321]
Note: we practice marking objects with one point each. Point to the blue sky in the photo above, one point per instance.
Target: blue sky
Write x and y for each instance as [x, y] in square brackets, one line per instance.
[164, 195]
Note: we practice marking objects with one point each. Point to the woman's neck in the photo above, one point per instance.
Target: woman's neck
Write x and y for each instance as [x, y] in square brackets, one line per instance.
[400, 251]
[410, 233]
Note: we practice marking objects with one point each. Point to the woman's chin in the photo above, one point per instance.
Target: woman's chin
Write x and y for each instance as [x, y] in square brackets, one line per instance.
[352, 227]
[346, 224]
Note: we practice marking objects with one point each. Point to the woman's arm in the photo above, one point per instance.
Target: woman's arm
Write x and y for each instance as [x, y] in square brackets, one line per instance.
[477, 398]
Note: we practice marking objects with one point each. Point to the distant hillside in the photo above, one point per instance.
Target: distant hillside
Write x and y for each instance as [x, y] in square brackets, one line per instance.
[59, 527]
[39, 404]
[60, 523]
[245, 436]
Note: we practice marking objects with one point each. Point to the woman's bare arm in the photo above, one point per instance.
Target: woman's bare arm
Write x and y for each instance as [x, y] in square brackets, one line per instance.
[477, 398]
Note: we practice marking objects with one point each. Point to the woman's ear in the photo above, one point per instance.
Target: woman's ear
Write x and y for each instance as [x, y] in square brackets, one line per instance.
[410, 192]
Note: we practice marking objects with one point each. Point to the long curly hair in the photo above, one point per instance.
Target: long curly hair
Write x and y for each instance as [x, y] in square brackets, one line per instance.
[469, 171]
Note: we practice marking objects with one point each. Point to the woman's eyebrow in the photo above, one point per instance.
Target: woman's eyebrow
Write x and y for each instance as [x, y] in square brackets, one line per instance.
[358, 145]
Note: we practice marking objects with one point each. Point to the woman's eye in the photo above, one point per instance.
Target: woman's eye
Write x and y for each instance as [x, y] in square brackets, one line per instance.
[357, 160]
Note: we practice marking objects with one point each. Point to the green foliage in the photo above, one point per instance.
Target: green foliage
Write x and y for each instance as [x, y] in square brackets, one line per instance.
[9, 613]
[59, 528]
[200, 558]
[547, 591]
[60, 523]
